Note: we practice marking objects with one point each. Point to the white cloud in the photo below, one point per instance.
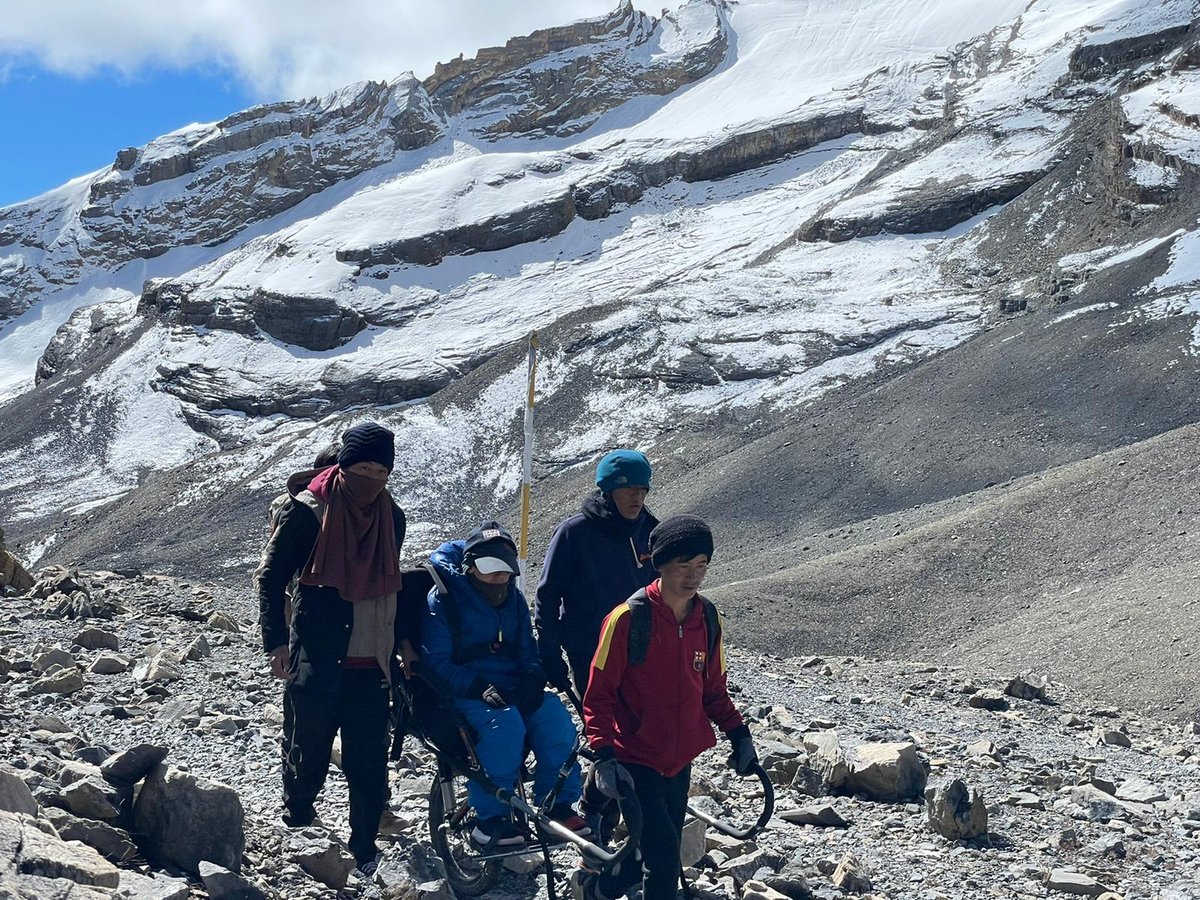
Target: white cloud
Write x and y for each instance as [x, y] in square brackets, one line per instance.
[279, 48]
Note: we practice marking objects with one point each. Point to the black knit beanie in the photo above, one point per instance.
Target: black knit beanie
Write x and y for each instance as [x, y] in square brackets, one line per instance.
[680, 537]
[369, 442]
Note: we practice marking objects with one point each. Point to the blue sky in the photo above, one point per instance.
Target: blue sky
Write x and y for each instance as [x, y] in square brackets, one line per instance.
[79, 81]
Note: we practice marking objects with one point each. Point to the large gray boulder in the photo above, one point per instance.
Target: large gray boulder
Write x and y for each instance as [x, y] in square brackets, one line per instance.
[957, 813]
[134, 764]
[186, 819]
[888, 772]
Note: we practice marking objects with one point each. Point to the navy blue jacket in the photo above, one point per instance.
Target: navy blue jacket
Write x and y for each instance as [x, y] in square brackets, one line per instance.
[480, 624]
[596, 560]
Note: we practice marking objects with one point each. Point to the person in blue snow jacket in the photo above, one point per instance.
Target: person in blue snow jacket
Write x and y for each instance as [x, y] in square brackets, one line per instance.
[477, 642]
[596, 560]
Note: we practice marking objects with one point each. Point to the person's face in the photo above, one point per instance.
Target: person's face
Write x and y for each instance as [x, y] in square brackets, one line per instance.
[370, 469]
[683, 576]
[629, 501]
[491, 577]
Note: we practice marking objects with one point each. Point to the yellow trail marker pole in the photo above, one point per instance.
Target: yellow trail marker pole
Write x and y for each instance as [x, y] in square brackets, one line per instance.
[527, 468]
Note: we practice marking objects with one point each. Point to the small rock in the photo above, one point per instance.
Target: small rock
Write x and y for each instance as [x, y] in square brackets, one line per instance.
[90, 800]
[692, 846]
[222, 884]
[525, 864]
[223, 622]
[983, 747]
[187, 819]
[321, 858]
[199, 649]
[109, 664]
[135, 886]
[132, 765]
[112, 843]
[758, 890]
[46, 661]
[1139, 790]
[163, 666]
[1067, 882]
[850, 876]
[1112, 737]
[988, 699]
[15, 796]
[823, 816]
[1028, 687]
[97, 639]
[65, 681]
[888, 772]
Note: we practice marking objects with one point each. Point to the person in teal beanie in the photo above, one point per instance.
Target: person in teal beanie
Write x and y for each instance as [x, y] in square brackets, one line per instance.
[595, 560]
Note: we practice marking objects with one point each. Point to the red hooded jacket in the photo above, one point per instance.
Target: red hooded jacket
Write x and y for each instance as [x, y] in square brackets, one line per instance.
[657, 714]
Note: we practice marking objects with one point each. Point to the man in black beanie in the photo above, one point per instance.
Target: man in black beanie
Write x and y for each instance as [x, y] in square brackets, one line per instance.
[643, 672]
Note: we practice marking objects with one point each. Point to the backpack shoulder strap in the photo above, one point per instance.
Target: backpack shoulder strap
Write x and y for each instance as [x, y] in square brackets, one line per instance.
[449, 608]
[712, 624]
[639, 627]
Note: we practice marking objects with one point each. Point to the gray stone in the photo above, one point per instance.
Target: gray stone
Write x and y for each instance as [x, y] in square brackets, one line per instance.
[223, 622]
[132, 765]
[1028, 687]
[46, 661]
[743, 868]
[89, 799]
[789, 883]
[135, 886]
[187, 819]
[109, 664]
[827, 770]
[823, 816]
[35, 852]
[1140, 790]
[983, 747]
[1067, 882]
[888, 772]
[112, 843]
[163, 666]
[65, 681]
[760, 890]
[692, 846]
[199, 649]
[98, 639]
[15, 796]
[988, 699]
[850, 876]
[222, 884]
[957, 813]
[1112, 737]
[321, 858]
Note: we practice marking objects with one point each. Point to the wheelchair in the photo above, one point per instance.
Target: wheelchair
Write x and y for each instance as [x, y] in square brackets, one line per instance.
[425, 712]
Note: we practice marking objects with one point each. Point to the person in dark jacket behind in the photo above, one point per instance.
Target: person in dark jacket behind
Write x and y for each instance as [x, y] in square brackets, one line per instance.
[342, 531]
[595, 560]
[477, 642]
[653, 716]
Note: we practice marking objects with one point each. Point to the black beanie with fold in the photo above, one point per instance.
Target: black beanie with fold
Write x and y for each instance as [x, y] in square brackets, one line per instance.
[680, 537]
[369, 442]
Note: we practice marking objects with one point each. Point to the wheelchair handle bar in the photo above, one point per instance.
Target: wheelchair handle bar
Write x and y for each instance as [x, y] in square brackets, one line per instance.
[764, 817]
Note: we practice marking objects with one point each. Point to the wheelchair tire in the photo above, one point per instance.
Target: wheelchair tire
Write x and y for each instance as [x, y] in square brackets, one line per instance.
[449, 830]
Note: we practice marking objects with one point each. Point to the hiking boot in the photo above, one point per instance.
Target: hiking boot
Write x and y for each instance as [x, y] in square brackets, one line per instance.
[496, 833]
[583, 885]
[565, 815]
[300, 818]
[368, 866]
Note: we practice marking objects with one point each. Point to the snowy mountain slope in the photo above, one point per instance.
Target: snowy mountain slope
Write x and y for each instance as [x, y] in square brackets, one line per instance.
[883, 235]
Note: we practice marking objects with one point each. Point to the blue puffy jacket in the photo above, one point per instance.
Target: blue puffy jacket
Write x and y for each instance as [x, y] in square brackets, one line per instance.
[506, 630]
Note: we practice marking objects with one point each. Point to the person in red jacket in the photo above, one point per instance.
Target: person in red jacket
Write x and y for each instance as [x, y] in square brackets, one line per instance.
[653, 716]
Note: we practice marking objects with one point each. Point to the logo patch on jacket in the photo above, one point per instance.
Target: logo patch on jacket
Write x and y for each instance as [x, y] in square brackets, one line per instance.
[698, 660]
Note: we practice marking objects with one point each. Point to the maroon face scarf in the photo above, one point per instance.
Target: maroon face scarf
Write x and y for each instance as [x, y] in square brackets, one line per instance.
[356, 548]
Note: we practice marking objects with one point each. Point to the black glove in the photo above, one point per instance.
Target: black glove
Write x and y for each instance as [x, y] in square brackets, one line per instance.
[557, 675]
[610, 777]
[492, 696]
[531, 691]
[744, 757]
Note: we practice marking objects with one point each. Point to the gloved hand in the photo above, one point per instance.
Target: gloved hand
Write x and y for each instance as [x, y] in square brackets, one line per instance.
[610, 777]
[531, 691]
[493, 697]
[744, 757]
[557, 675]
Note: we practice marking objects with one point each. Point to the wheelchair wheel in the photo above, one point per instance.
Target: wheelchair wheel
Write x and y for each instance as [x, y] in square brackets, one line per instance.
[450, 822]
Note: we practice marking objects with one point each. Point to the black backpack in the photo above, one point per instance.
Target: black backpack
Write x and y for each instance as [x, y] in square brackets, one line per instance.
[640, 623]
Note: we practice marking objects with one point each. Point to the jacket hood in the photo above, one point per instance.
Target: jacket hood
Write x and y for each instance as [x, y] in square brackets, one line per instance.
[448, 561]
[300, 480]
[599, 507]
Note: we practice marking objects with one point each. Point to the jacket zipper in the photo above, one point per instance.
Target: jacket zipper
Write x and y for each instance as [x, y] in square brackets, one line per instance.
[636, 558]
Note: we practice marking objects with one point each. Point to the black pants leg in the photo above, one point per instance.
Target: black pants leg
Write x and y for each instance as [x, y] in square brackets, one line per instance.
[581, 667]
[310, 721]
[363, 720]
[664, 803]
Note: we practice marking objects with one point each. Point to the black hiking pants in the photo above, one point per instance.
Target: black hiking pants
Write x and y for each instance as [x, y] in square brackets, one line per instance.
[311, 719]
[664, 803]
